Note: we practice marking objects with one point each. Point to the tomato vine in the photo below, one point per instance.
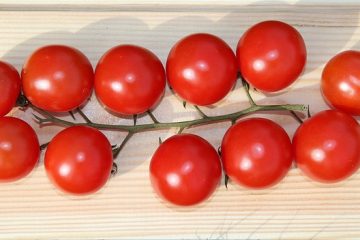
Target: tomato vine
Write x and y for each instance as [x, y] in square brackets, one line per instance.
[204, 119]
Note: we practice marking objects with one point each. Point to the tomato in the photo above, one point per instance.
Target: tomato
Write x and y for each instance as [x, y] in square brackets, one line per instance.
[340, 82]
[10, 87]
[57, 78]
[256, 153]
[327, 146]
[201, 68]
[185, 169]
[271, 55]
[129, 80]
[79, 160]
[19, 149]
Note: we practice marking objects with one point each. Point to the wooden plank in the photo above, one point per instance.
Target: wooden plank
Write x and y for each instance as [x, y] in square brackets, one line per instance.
[166, 2]
[157, 5]
[127, 207]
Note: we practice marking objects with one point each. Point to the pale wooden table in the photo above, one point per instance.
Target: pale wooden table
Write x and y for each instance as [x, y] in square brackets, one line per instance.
[127, 207]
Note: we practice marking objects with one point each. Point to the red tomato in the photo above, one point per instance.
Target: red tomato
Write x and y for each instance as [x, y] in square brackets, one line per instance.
[340, 83]
[79, 160]
[129, 80]
[271, 55]
[19, 149]
[201, 68]
[327, 146]
[57, 78]
[256, 153]
[185, 169]
[10, 87]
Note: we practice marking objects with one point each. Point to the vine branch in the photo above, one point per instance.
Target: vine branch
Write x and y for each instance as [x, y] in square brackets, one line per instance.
[117, 150]
[152, 117]
[83, 115]
[201, 113]
[247, 90]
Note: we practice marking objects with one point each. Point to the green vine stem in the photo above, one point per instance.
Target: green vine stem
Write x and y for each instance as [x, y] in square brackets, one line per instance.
[204, 119]
[49, 118]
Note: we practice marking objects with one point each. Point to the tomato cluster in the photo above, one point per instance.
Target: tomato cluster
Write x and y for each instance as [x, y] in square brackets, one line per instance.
[201, 69]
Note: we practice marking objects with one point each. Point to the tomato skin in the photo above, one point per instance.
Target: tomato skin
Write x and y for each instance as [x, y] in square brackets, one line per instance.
[271, 55]
[256, 153]
[201, 68]
[340, 82]
[185, 170]
[57, 78]
[129, 79]
[78, 160]
[19, 149]
[327, 146]
[10, 87]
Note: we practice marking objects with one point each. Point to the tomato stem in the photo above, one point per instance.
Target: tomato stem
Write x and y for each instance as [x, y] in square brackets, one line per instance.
[117, 150]
[44, 145]
[152, 117]
[114, 169]
[203, 120]
[135, 116]
[293, 113]
[49, 118]
[72, 115]
[308, 112]
[247, 90]
[201, 113]
[226, 180]
[83, 115]
[22, 101]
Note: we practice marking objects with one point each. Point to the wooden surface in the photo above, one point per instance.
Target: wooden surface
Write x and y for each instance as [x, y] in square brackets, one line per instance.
[127, 207]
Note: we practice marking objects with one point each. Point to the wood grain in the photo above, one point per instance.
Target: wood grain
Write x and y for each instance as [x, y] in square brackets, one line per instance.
[127, 207]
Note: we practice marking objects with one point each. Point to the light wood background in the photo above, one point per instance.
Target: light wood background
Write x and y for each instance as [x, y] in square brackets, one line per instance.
[127, 207]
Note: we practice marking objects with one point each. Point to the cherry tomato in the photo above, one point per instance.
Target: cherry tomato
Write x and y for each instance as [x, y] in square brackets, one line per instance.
[271, 55]
[57, 78]
[129, 80]
[327, 146]
[201, 68]
[19, 149]
[10, 87]
[185, 169]
[78, 160]
[340, 82]
[256, 153]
